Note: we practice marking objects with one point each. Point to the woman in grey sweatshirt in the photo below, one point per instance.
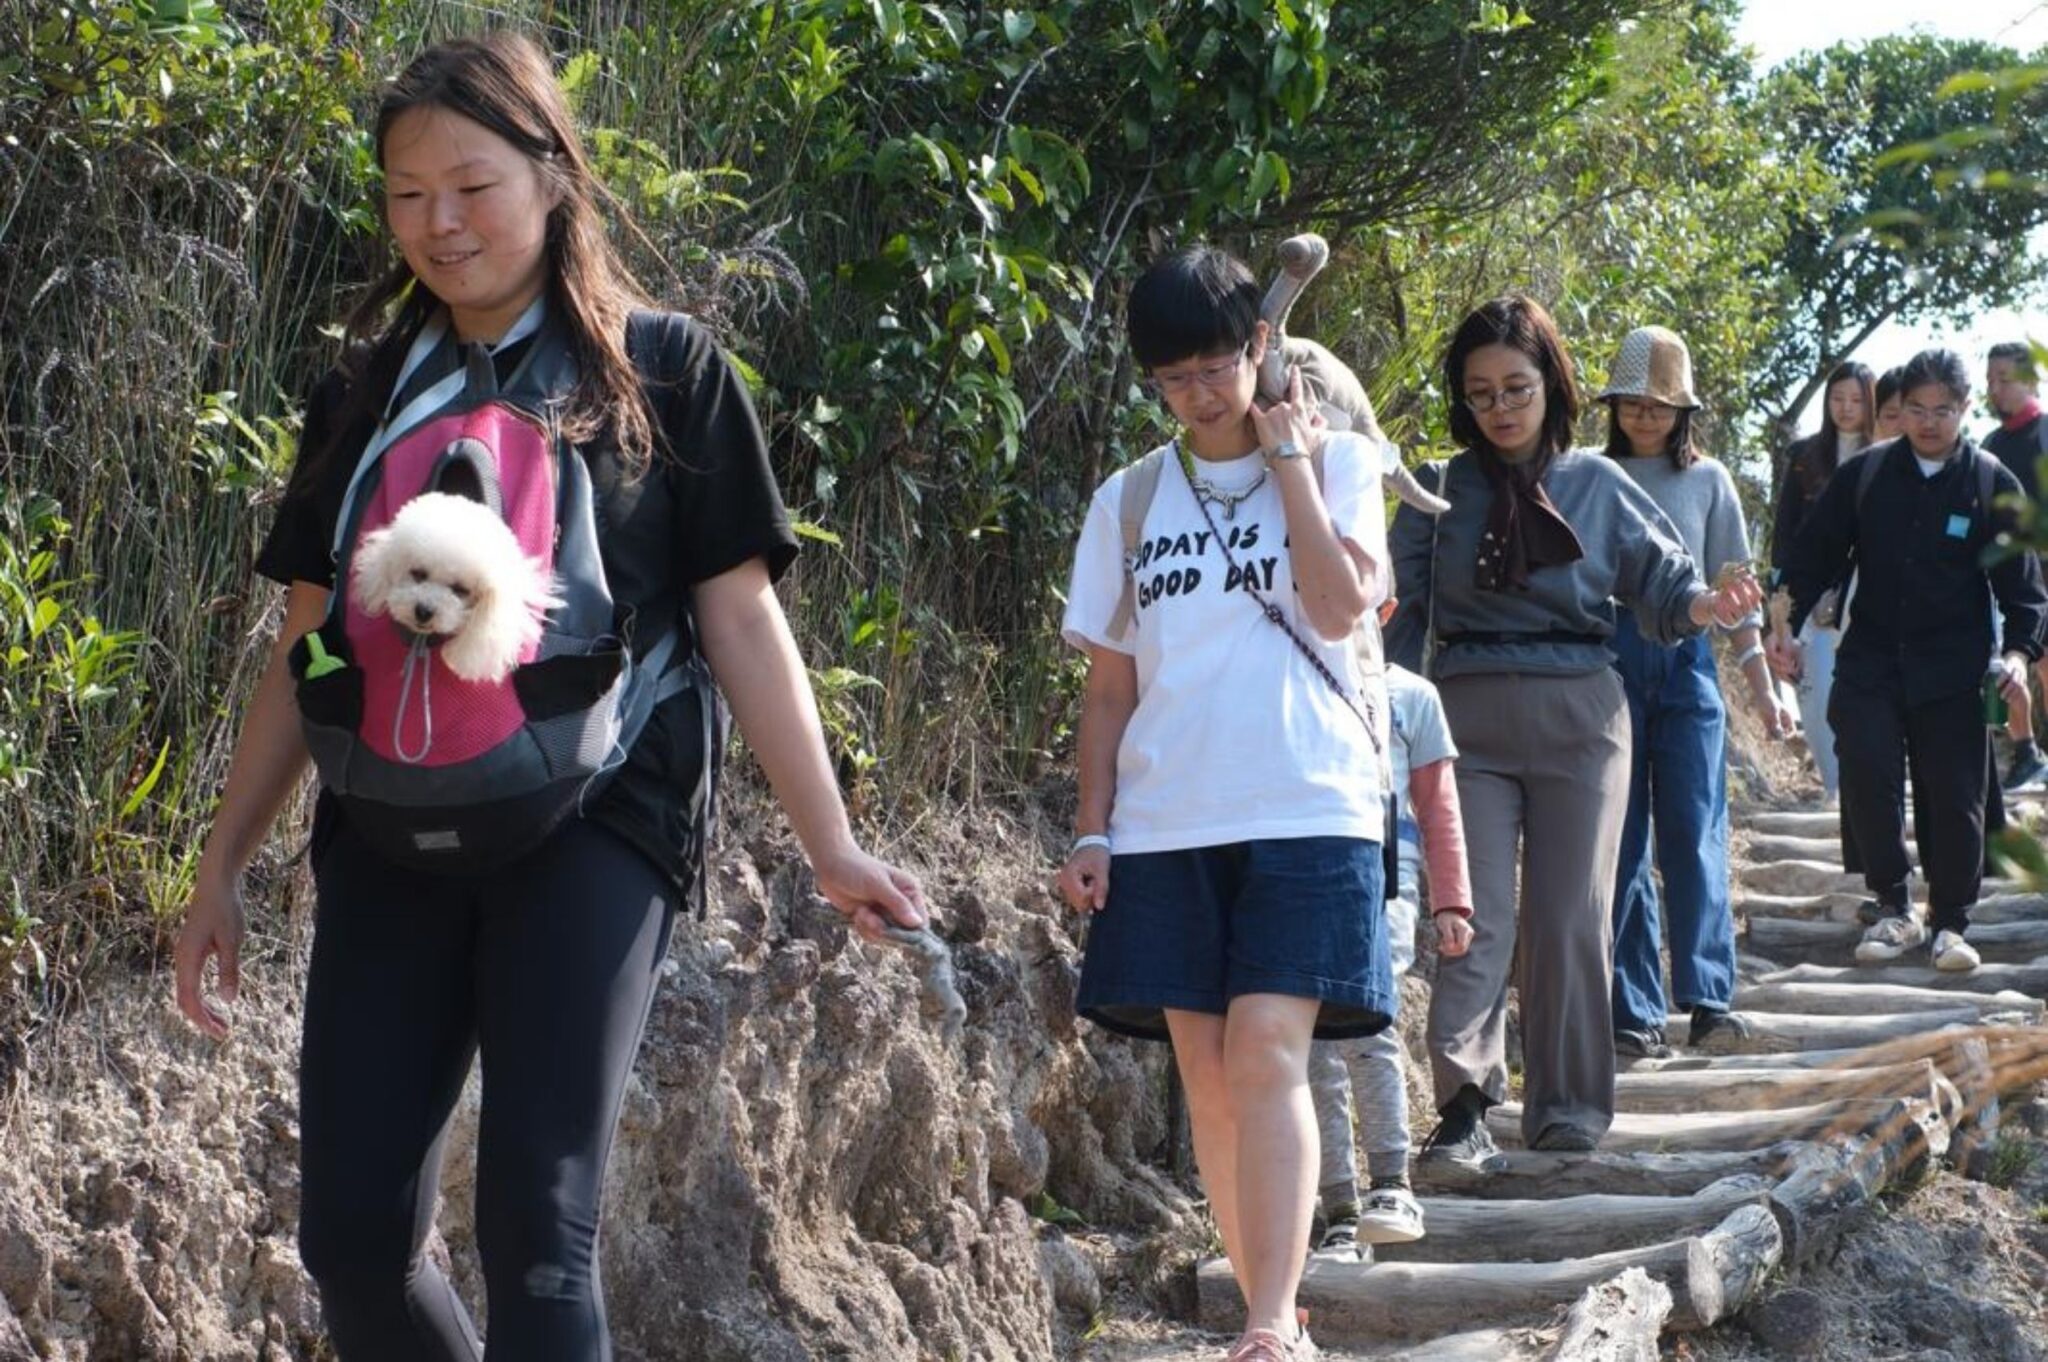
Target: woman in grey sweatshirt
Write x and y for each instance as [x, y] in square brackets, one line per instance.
[1519, 582]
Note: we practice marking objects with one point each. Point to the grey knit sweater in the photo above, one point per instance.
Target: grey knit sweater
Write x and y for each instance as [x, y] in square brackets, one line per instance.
[1632, 553]
[1703, 507]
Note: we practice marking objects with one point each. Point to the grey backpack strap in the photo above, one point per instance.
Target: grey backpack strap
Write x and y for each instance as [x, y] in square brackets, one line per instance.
[1134, 500]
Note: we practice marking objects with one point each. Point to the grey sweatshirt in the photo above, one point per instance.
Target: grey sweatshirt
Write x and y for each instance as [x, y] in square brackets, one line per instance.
[1703, 507]
[1631, 553]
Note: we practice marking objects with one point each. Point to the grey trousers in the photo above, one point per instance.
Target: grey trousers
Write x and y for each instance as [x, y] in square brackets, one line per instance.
[1543, 772]
[1382, 1087]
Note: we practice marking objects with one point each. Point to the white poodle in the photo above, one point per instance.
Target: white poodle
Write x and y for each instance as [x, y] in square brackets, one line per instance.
[450, 569]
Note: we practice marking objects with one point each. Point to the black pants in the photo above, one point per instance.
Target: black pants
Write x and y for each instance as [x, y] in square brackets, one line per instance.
[1994, 816]
[547, 969]
[1876, 735]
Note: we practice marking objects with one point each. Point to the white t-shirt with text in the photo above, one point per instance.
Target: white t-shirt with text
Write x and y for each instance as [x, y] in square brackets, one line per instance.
[1236, 737]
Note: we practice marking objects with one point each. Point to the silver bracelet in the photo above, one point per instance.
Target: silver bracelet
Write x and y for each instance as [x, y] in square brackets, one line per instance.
[1753, 650]
[1286, 449]
[1081, 844]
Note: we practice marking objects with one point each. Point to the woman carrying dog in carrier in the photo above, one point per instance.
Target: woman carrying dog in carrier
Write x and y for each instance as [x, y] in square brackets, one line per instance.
[1229, 836]
[1519, 581]
[1848, 421]
[1678, 784]
[498, 857]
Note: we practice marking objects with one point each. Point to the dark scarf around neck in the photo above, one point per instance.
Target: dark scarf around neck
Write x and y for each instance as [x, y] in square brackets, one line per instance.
[1524, 529]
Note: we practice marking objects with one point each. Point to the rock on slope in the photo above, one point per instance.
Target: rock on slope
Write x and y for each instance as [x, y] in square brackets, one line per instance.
[804, 1168]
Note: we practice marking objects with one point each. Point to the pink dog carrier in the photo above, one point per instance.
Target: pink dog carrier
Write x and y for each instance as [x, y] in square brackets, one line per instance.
[435, 771]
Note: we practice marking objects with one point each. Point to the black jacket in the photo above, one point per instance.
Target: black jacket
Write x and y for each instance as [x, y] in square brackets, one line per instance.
[1922, 610]
[1794, 502]
[2021, 450]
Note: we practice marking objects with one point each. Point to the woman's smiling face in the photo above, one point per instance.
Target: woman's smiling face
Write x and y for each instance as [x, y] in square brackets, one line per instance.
[469, 212]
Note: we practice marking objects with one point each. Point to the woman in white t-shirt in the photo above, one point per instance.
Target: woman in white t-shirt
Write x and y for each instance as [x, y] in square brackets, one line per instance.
[1228, 759]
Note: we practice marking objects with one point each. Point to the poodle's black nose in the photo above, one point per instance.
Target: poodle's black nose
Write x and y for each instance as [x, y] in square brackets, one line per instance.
[423, 614]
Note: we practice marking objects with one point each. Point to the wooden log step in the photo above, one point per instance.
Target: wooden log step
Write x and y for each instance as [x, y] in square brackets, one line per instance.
[1834, 943]
[1842, 907]
[1617, 1321]
[1857, 999]
[1805, 907]
[1794, 822]
[1680, 1090]
[1932, 1044]
[1707, 1131]
[1806, 876]
[1480, 1345]
[1777, 1032]
[1825, 848]
[1710, 1276]
[2030, 978]
[2010, 908]
[1826, 1184]
[1470, 1230]
[1802, 876]
[1526, 1174]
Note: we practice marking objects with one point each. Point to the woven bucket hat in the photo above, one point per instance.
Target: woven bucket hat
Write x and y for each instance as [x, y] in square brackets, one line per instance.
[1653, 363]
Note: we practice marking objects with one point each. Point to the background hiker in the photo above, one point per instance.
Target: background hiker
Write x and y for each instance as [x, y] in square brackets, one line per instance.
[1845, 430]
[1518, 583]
[2019, 441]
[1227, 757]
[1912, 682]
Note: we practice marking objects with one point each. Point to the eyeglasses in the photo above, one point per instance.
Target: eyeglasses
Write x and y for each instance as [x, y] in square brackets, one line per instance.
[1939, 415]
[1219, 374]
[1643, 410]
[1514, 399]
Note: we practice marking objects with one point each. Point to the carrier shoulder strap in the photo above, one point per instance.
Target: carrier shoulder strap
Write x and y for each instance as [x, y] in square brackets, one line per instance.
[1134, 501]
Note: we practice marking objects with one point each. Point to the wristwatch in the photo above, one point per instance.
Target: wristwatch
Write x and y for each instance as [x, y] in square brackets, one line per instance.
[1286, 449]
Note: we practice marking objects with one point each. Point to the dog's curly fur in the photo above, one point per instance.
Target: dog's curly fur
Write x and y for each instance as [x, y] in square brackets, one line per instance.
[449, 568]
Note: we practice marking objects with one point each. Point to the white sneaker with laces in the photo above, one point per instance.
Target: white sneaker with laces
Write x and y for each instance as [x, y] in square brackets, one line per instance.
[1953, 953]
[1889, 939]
[1390, 1215]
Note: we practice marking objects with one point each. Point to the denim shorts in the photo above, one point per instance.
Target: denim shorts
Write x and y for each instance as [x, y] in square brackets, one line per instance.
[1191, 930]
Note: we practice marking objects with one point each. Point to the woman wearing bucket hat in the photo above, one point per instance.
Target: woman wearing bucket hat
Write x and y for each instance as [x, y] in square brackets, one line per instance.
[1678, 782]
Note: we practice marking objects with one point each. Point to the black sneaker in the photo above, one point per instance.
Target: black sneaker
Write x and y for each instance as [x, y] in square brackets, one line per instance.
[1631, 1044]
[1562, 1137]
[1878, 907]
[1712, 1021]
[2028, 766]
[1340, 1237]
[1461, 1138]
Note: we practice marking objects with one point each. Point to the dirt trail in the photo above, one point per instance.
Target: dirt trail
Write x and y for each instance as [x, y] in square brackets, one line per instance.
[809, 1167]
[1808, 1189]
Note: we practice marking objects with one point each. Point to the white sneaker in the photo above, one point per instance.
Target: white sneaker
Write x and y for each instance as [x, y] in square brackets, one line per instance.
[1951, 952]
[1390, 1215]
[1889, 939]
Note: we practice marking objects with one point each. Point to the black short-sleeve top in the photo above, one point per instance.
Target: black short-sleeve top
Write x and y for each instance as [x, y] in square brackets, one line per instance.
[707, 504]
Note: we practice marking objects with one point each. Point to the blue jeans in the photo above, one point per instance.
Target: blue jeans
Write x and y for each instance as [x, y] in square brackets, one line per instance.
[1680, 775]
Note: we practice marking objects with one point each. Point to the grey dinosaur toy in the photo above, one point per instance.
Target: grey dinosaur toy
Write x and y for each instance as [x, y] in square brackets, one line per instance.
[1323, 376]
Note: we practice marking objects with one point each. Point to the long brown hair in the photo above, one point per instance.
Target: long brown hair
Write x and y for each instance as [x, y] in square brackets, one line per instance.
[503, 82]
[1823, 453]
[1520, 323]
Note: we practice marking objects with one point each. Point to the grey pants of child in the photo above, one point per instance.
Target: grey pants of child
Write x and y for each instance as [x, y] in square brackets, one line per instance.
[1543, 772]
[1382, 1088]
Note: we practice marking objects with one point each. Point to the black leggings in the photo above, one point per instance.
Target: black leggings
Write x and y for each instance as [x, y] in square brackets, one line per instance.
[547, 969]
